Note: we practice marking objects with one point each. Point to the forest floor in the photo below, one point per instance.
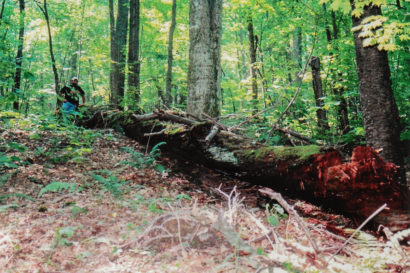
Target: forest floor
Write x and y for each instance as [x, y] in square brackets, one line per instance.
[77, 200]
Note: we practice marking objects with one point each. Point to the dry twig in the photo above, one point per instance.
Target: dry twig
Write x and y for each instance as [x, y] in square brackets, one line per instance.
[357, 230]
[278, 197]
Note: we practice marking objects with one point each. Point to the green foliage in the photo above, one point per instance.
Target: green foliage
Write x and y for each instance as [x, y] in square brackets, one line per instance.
[63, 236]
[8, 161]
[274, 214]
[75, 210]
[19, 195]
[110, 182]
[56, 186]
[138, 160]
[5, 208]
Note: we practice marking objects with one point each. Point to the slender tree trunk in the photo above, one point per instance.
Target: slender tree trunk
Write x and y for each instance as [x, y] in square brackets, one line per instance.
[322, 123]
[67, 52]
[253, 45]
[341, 109]
[19, 57]
[73, 64]
[297, 47]
[380, 114]
[170, 56]
[90, 63]
[80, 41]
[133, 54]
[204, 73]
[50, 44]
[334, 24]
[2, 9]
[112, 47]
[328, 33]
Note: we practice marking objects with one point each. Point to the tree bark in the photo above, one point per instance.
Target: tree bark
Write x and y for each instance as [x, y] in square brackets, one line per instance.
[322, 123]
[380, 114]
[204, 72]
[342, 112]
[19, 56]
[357, 187]
[253, 45]
[168, 86]
[119, 53]
[2, 9]
[44, 10]
[133, 54]
[112, 52]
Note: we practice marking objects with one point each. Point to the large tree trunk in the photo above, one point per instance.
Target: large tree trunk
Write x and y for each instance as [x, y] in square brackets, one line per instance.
[168, 86]
[118, 53]
[357, 187]
[19, 56]
[204, 72]
[322, 123]
[253, 44]
[380, 114]
[133, 54]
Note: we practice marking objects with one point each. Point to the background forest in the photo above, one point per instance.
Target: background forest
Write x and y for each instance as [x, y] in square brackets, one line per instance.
[265, 47]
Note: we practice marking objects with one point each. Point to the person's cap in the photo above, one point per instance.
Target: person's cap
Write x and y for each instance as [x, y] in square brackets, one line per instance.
[74, 78]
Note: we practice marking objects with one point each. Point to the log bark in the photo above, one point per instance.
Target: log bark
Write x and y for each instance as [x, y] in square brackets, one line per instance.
[356, 188]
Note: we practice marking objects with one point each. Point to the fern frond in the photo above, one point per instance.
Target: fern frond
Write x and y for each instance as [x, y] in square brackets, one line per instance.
[21, 195]
[56, 186]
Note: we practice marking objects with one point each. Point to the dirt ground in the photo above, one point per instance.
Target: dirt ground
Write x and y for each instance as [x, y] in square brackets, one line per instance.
[120, 211]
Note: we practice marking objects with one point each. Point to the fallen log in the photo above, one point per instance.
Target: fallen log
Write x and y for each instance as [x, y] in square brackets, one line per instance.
[319, 174]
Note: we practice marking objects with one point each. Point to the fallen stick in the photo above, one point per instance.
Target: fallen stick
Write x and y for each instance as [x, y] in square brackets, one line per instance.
[212, 134]
[357, 230]
[278, 197]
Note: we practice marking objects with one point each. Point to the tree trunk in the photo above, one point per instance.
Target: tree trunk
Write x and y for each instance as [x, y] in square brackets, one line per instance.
[170, 56]
[322, 123]
[380, 114]
[253, 45]
[19, 57]
[341, 109]
[80, 41]
[2, 9]
[73, 64]
[204, 72]
[50, 43]
[133, 54]
[112, 47]
[357, 187]
[119, 53]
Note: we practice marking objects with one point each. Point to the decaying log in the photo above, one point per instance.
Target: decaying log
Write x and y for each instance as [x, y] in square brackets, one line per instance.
[317, 174]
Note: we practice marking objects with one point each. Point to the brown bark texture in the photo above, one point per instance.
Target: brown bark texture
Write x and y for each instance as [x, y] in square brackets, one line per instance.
[44, 10]
[19, 56]
[133, 53]
[252, 54]
[112, 51]
[356, 187]
[204, 71]
[322, 123]
[118, 53]
[380, 114]
[168, 95]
